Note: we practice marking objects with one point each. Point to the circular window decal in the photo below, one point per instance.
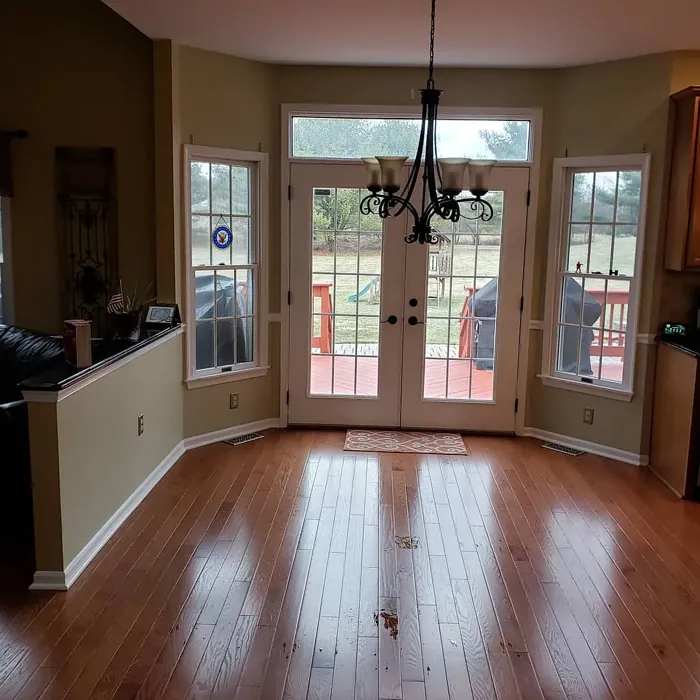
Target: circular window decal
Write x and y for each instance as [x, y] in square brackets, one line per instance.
[222, 237]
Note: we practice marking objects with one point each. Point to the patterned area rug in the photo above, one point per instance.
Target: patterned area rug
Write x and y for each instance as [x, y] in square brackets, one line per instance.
[404, 441]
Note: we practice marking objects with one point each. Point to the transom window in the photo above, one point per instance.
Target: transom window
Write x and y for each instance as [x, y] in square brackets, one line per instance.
[595, 263]
[357, 137]
[224, 258]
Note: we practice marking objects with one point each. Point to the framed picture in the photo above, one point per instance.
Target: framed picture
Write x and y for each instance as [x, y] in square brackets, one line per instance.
[161, 313]
[160, 316]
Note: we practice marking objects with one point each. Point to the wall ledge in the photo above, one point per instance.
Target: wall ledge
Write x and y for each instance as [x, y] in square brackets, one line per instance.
[34, 396]
[593, 447]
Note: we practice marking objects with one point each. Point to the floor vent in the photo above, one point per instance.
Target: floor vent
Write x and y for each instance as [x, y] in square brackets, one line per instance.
[571, 451]
[244, 438]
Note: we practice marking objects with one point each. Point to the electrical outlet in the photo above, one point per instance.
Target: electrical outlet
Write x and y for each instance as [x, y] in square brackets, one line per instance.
[233, 401]
[140, 424]
[588, 416]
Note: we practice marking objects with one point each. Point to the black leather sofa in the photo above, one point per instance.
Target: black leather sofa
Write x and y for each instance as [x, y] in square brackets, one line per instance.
[23, 353]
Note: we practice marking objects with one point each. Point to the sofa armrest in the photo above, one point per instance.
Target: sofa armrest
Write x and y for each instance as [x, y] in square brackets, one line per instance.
[14, 441]
[13, 411]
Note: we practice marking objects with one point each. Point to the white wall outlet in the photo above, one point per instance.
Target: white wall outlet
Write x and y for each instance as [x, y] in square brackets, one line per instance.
[588, 416]
[233, 401]
[140, 424]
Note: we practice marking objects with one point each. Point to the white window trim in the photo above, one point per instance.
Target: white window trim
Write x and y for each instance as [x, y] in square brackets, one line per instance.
[289, 111]
[261, 366]
[549, 377]
[534, 115]
[8, 306]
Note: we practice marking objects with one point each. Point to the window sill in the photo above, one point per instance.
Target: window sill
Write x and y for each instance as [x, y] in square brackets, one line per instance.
[226, 377]
[583, 388]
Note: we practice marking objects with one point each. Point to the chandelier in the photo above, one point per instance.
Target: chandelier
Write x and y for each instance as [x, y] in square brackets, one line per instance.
[442, 177]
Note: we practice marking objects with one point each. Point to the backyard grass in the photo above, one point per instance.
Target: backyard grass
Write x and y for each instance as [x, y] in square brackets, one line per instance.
[468, 267]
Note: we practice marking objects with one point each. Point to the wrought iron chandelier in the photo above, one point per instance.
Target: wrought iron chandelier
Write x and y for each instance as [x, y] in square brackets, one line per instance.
[442, 177]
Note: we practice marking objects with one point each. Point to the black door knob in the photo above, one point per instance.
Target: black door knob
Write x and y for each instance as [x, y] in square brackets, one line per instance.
[413, 321]
[391, 319]
[413, 302]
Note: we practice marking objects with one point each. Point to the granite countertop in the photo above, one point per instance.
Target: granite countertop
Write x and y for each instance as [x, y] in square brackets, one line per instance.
[689, 344]
[104, 353]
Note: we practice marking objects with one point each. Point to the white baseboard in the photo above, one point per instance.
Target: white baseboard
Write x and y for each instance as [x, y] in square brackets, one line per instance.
[232, 432]
[63, 580]
[49, 581]
[592, 447]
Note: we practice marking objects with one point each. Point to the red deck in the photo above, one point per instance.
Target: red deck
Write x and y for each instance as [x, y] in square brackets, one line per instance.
[342, 377]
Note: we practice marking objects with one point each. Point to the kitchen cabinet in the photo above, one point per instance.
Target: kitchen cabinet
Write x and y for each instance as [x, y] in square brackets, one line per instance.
[683, 217]
[675, 429]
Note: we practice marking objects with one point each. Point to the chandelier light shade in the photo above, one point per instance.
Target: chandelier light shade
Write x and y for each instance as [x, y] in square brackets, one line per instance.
[442, 178]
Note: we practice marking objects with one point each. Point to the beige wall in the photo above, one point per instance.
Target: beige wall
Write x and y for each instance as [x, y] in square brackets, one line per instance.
[612, 108]
[87, 457]
[229, 102]
[46, 486]
[75, 74]
[210, 99]
[607, 109]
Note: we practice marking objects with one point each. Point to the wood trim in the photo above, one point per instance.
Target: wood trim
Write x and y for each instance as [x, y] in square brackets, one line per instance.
[594, 448]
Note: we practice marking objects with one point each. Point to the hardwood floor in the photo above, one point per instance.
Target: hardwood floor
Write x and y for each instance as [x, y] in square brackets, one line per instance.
[287, 568]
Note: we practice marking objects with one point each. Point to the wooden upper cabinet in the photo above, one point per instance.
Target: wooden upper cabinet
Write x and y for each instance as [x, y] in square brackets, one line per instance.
[683, 218]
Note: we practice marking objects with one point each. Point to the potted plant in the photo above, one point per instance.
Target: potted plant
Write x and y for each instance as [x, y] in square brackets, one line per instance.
[125, 311]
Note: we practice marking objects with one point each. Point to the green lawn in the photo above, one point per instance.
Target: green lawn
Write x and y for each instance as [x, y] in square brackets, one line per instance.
[465, 268]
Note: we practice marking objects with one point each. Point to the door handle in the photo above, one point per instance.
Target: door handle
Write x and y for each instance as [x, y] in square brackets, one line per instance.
[413, 302]
[413, 321]
[391, 320]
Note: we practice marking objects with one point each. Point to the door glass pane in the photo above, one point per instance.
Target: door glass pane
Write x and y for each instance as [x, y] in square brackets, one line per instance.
[462, 299]
[346, 293]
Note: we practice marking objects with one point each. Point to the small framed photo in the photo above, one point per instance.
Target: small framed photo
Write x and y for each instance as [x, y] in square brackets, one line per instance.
[161, 313]
[160, 317]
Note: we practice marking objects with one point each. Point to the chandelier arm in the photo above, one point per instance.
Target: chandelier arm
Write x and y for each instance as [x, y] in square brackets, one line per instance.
[430, 162]
[477, 204]
[382, 204]
[435, 151]
[407, 192]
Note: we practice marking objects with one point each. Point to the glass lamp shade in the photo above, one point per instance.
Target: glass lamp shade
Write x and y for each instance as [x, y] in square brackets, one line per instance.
[390, 171]
[374, 174]
[479, 173]
[452, 173]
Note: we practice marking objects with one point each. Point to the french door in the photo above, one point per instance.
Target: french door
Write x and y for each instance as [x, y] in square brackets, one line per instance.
[388, 334]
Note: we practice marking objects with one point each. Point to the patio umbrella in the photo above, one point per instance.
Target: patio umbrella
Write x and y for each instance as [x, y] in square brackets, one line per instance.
[483, 307]
[579, 306]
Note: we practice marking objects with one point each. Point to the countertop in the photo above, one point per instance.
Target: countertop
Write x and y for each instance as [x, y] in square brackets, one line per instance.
[104, 353]
[689, 344]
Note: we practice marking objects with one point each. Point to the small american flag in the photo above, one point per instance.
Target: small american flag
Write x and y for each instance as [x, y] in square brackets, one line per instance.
[115, 305]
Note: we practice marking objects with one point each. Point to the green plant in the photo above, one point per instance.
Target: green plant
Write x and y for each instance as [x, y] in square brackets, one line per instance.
[134, 303]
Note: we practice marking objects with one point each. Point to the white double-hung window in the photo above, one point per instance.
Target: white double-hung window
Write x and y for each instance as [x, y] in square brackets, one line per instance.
[593, 281]
[225, 197]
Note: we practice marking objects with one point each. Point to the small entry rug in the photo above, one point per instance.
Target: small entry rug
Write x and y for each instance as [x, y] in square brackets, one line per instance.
[404, 441]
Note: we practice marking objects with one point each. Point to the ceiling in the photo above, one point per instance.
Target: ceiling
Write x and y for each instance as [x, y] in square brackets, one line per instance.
[547, 33]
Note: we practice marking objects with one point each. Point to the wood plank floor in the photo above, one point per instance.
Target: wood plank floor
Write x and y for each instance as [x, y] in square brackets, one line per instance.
[287, 568]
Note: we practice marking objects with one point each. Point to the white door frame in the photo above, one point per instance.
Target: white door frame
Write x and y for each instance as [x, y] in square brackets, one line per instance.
[533, 114]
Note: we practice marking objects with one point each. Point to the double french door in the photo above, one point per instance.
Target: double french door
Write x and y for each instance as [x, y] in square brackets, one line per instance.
[388, 334]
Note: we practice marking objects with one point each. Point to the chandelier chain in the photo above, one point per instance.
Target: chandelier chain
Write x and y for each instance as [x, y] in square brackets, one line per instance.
[431, 82]
[442, 186]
